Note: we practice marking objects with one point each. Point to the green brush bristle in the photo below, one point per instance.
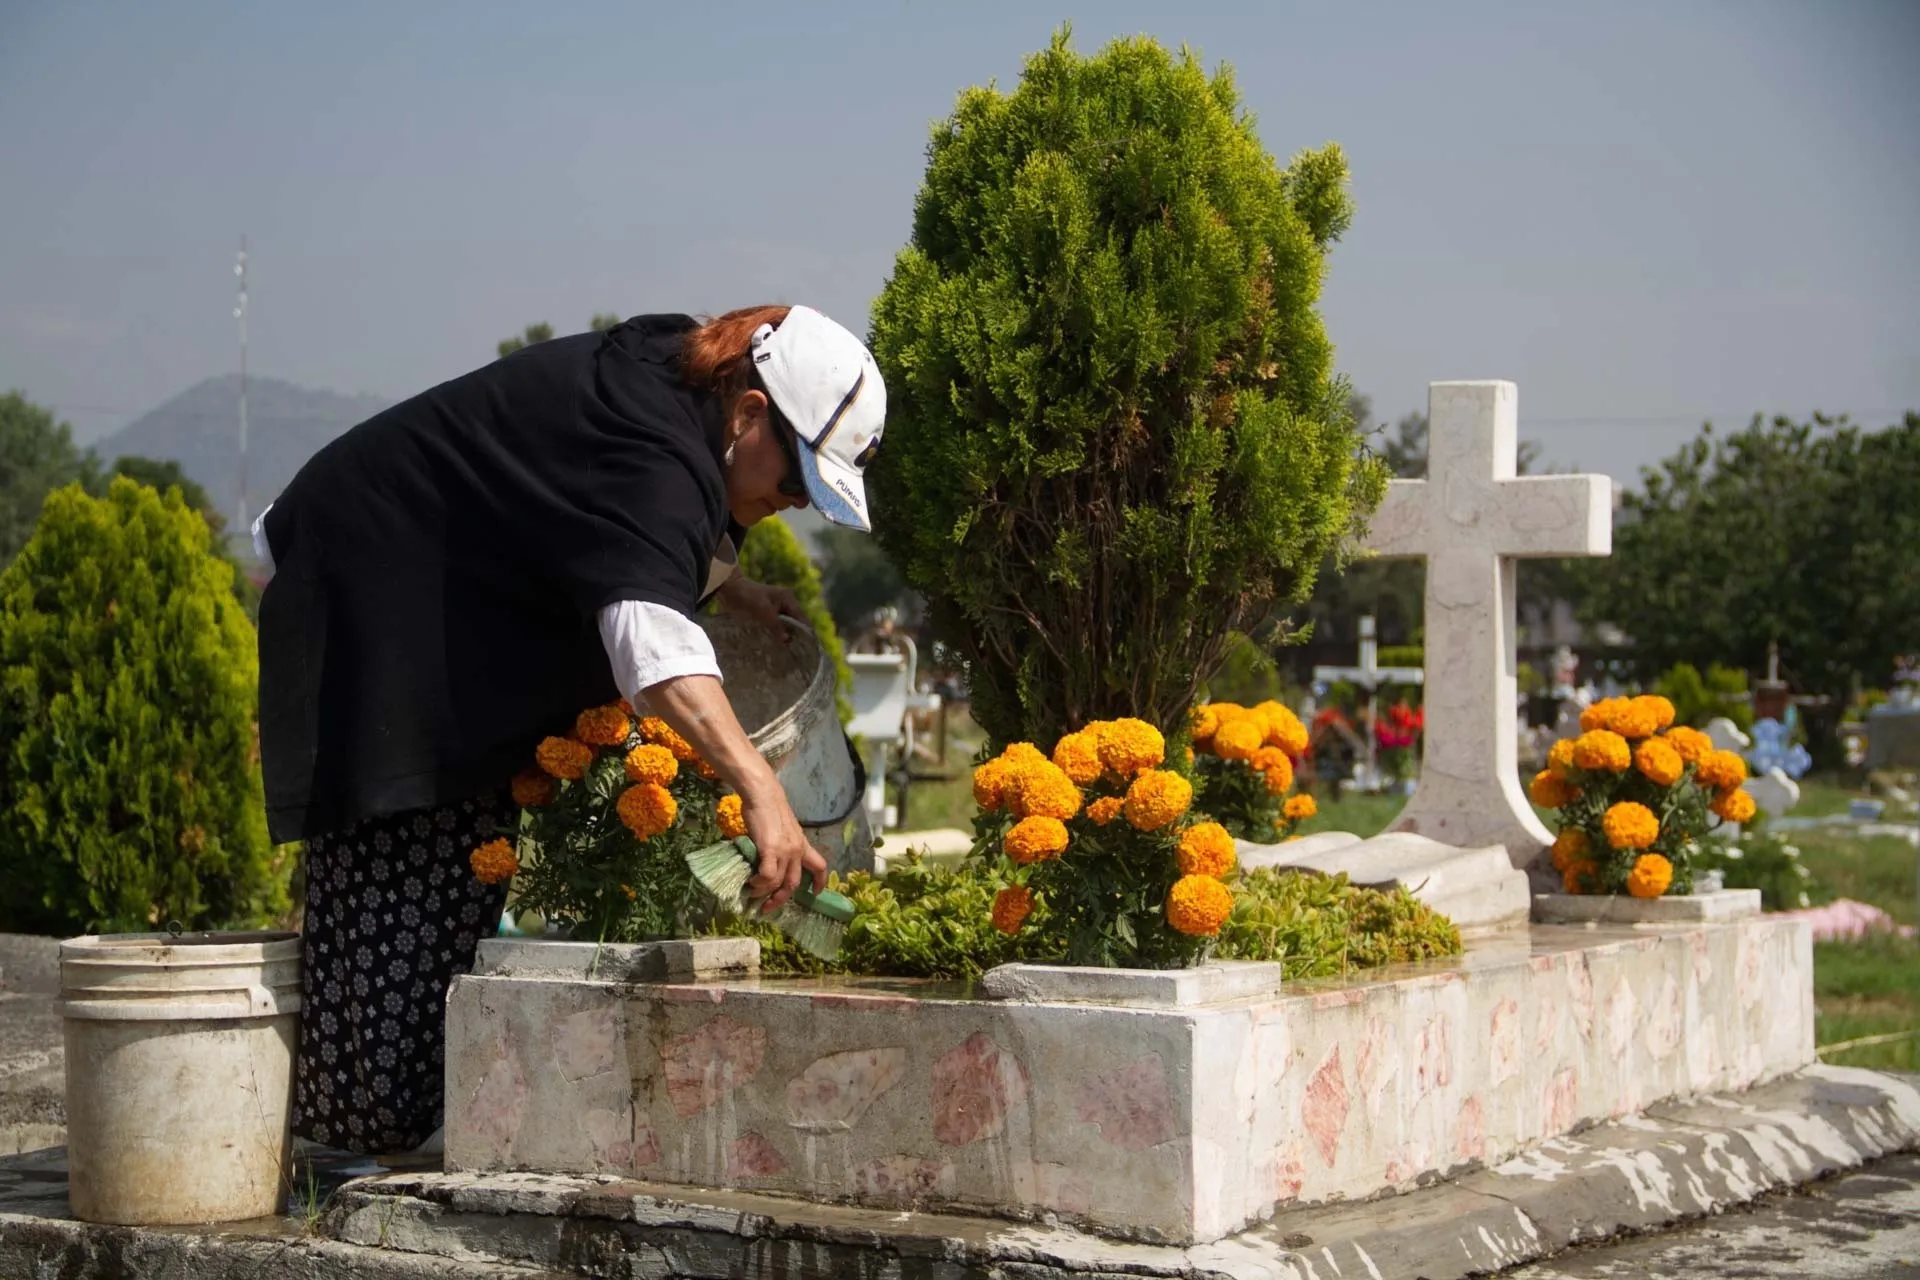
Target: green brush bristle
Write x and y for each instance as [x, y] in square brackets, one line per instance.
[817, 922]
[723, 870]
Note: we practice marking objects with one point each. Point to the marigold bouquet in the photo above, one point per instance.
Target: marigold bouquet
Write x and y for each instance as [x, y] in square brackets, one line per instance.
[1102, 834]
[1244, 766]
[608, 815]
[1635, 795]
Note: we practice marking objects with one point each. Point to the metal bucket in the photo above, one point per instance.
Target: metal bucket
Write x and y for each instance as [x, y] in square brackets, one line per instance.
[800, 736]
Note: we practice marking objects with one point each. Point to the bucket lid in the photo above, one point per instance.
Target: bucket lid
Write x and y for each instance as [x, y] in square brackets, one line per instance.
[180, 977]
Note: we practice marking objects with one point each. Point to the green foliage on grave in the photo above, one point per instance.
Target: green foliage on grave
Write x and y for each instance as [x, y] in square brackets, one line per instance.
[774, 556]
[925, 920]
[1762, 859]
[1804, 533]
[1114, 434]
[130, 791]
[1697, 698]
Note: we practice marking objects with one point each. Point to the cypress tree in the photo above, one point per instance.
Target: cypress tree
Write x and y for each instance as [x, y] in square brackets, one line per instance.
[130, 789]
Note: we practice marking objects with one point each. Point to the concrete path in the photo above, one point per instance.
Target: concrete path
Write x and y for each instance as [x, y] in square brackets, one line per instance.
[1859, 1226]
[32, 1064]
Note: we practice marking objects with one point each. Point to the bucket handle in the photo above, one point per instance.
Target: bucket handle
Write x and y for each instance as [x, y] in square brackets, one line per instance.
[859, 791]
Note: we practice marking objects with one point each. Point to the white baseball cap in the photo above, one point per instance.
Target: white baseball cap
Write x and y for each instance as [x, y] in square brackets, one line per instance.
[823, 380]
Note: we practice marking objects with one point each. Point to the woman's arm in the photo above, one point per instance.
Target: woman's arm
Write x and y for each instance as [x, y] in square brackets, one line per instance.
[697, 708]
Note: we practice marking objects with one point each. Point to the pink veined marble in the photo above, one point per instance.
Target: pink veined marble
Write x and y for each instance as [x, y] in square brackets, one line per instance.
[1289, 1172]
[1324, 1110]
[586, 1043]
[1546, 1023]
[1378, 1066]
[975, 1086]
[903, 1177]
[1434, 1055]
[1702, 959]
[1052, 1186]
[610, 1134]
[1622, 1010]
[752, 1156]
[1132, 1105]
[710, 1063]
[1663, 1028]
[499, 1105]
[1470, 1133]
[1503, 1048]
[1561, 1097]
[1580, 993]
[834, 1092]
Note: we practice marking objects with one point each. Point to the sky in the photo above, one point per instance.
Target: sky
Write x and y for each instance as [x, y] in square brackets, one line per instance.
[1644, 214]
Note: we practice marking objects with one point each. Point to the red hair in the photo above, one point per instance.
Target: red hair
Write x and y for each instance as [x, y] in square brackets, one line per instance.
[714, 356]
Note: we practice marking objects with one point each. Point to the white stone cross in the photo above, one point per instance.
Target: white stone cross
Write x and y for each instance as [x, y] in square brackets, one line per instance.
[1472, 518]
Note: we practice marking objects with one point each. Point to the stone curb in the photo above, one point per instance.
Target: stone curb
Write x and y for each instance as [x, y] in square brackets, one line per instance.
[1641, 1173]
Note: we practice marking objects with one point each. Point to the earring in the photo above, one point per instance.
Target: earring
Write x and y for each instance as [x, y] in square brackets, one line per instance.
[727, 457]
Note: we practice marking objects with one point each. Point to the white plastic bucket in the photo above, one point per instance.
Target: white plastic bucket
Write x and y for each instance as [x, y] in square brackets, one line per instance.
[818, 768]
[179, 1074]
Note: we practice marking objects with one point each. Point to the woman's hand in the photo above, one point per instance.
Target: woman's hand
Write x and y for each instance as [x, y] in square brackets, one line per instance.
[760, 602]
[784, 851]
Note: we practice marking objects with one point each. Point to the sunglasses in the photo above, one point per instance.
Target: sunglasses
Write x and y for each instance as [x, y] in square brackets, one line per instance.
[792, 485]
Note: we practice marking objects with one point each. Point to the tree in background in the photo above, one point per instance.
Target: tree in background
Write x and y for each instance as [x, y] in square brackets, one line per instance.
[37, 456]
[774, 556]
[1114, 433]
[130, 791]
[1802, 533]
[857, 578]
[543, 332]
[161, 475]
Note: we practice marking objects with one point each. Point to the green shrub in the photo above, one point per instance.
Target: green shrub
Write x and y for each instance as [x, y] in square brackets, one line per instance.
[925, 920]
[1697, 699]
[774, 556]
[1114, 437]
[1760, 859]
[130, 790]
[1320, 926]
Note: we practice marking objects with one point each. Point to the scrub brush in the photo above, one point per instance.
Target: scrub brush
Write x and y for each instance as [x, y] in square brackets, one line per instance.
[816, 922]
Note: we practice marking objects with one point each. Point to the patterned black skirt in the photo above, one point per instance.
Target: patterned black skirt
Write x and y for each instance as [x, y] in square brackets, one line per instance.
[393, 912]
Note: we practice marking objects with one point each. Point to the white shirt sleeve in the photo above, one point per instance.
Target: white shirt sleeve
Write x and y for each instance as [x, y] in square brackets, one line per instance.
[648, 643]
[260, 545]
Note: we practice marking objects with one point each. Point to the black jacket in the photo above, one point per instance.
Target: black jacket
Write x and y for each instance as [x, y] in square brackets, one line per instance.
[439, 569]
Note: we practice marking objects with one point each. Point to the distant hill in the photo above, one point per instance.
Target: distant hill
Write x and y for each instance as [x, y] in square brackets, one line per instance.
[200, 429]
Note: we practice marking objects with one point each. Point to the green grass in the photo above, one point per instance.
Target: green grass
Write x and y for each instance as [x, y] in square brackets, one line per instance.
[1871, 987]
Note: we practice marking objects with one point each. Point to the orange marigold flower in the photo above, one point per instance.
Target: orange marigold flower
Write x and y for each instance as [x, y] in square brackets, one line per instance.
[1035, 839]
[1693, 745]
[1569, 847]
[648, 809]
[1551, 791]
[1105, 810]
[1044, 791]
[1282, 728]
[649, 763]
[628, 890]
[1650, 876]
[1280, 779]
[493, 862]
[732, 818]
[1127, 746]
[1011, 907]
[1203, 722]
[1198, 905]
[1299, 808]
[990, 784]
[1659, 762]
[661, 734]
[1630, 826]
[1560, 757]
[1266, 758]
[705, 770]
[1599, 715]
[1720, 771]
[1657, 707]
[563, 757]
[1602, 750]
[1078, 756]
[1238, 739]
[602, 727]
[1157, 799]
[1635, 718]
[1736, 805]
[532, 788]
[1023, 754]
[1205, 850]
[1580, 877]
